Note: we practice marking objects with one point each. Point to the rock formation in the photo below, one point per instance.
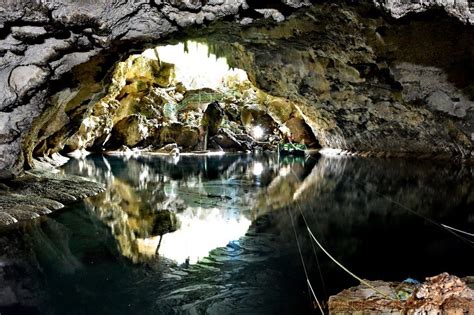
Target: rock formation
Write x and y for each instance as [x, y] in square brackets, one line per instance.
[338, 60]
[443, 293]
[463, 10]
[38, 194]
[41, 42]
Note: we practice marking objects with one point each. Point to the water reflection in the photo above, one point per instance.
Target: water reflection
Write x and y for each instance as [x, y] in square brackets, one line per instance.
[187, 209]
[179, 208]
[380, 217]
[231, 213]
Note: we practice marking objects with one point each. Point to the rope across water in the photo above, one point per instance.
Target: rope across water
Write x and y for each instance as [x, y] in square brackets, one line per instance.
[304, 264]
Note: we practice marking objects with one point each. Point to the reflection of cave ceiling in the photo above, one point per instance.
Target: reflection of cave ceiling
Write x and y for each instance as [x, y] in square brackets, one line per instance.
[188, 208]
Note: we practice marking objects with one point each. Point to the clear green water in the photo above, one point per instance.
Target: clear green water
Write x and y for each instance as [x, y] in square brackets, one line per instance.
[233, 250]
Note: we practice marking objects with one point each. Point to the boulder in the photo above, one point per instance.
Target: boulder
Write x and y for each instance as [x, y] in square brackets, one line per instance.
[138, 67]
[441, 294]
[129, 131]
[250, 113]
[225, 139]
[440, 101]
[212, 118]
[280, 109]
[171, 148]
[25, 78]
[184, 136]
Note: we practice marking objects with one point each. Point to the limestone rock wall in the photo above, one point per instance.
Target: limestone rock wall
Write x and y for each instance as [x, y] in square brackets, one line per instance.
[461, 9]
[360, 84]
[42, 42]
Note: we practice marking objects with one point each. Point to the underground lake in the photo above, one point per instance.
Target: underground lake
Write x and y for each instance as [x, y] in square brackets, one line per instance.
[237, 157]
[228, 241]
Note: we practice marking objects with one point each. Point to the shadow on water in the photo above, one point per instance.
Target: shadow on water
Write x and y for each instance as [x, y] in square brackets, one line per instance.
[213, 235]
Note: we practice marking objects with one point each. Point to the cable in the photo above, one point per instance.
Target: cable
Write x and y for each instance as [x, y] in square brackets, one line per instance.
[320, 271]
[303, 263]
[337, 262]
[457, 230]
[345, 269]
[469, 242]
[312, 245]
[443, 226]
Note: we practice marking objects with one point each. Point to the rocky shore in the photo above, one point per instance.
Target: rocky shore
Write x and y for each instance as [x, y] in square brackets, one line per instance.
[441, 294]
[38, 193]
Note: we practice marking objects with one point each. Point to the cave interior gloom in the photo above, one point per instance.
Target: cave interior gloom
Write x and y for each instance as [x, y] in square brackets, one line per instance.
[236, 156]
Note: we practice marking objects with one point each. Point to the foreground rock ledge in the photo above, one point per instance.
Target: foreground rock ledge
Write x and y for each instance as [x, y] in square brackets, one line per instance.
[36, 194]
[441, 294]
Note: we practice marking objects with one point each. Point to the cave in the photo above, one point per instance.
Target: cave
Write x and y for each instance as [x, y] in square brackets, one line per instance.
[233, 156]
[178, 96]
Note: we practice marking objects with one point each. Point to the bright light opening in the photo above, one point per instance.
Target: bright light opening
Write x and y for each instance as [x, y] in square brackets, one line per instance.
[257, 132]
[196, 67]
[330, 152]
[257, 169]
[202, 230]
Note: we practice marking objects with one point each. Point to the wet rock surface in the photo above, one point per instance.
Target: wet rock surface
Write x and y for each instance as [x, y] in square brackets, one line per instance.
[444, 293]
[146, 107]
[380, 94]
[36, 194]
